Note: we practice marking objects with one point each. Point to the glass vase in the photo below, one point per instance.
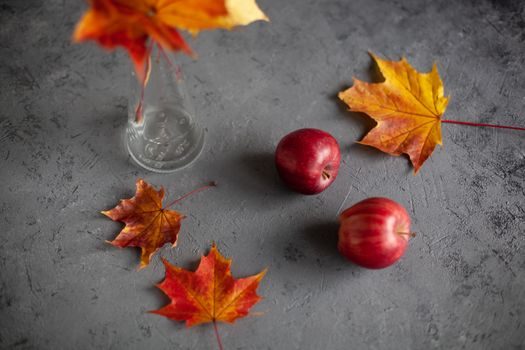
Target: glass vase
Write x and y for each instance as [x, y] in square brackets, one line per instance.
[162, 134]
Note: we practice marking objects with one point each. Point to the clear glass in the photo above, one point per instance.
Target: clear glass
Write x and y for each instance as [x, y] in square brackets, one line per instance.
[162, 134]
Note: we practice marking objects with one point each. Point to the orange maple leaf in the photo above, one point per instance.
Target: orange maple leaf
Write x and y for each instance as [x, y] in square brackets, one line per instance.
[148, 225]
[209, 294]
[130, 23]
[407, 107]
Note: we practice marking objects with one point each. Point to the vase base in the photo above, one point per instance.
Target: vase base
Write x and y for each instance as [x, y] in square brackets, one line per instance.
[158, 158]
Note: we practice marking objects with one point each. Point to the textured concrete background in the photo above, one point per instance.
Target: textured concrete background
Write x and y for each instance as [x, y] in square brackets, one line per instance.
[63, 110]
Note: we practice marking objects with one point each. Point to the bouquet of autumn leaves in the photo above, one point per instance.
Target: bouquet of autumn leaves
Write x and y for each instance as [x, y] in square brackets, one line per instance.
[131, 23]
[209, 294]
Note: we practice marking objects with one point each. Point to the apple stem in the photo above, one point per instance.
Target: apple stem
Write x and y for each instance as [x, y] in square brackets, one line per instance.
[211, 184]
[217, 334]
[410, 234]
[325, 175]
[482, 124]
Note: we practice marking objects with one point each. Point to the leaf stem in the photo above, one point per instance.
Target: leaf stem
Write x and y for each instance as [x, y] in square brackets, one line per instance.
[211, 184]
[217, 334]
[174, 68]
[482, 124]
[139, 109]
[164, 55]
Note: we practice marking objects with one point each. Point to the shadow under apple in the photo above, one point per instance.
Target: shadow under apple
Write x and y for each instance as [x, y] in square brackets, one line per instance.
[322, 238]
[261, 175]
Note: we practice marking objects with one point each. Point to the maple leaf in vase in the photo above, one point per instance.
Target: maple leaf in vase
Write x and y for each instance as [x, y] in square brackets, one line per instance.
[129, 23]
[407, 107]
[209, 294]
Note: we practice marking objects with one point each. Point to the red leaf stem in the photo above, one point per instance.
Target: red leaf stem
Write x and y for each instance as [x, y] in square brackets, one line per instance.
[217, 335]
[211, 184]
[483, 125]
[139, 110]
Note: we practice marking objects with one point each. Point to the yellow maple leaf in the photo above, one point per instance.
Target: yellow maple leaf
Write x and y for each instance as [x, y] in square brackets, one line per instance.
[196, 15]
[407, 107]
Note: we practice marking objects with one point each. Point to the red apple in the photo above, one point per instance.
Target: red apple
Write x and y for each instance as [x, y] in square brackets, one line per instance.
[374, 233]
[308, 160]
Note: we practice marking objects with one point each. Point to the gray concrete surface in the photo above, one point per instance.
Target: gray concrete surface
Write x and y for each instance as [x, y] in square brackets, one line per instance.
[62, 114]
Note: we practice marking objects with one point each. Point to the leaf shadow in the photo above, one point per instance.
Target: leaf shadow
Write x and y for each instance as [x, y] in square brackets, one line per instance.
[374, 74]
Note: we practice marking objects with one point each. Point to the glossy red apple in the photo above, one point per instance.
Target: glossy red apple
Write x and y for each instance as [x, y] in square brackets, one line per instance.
[308, 160]
[374, 233]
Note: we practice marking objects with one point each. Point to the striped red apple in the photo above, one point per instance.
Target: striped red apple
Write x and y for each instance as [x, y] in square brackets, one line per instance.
[374, 233]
